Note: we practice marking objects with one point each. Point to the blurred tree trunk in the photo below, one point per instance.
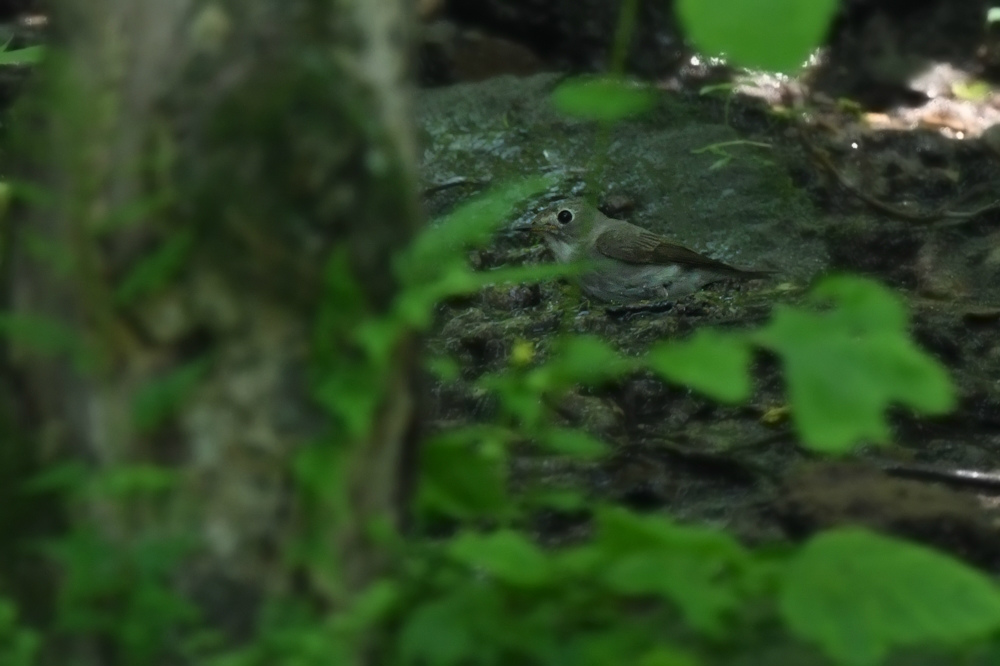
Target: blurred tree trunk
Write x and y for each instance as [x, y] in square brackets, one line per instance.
[205, 159]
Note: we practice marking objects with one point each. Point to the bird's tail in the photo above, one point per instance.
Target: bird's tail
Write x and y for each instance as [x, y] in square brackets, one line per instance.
[753, 274]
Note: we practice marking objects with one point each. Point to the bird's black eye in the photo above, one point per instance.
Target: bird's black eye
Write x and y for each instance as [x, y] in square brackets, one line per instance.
[565, 216]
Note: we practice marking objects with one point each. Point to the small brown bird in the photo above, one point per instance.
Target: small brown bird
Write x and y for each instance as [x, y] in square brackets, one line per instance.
[627, 263]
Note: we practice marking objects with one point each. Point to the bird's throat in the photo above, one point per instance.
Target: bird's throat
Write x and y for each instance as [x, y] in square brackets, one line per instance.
[563, 251]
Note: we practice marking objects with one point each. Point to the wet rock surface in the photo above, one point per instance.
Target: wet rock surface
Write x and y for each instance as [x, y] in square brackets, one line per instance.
[744, 185]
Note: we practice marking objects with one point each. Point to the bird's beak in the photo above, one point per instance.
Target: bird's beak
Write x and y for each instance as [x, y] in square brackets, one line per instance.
[533, 228]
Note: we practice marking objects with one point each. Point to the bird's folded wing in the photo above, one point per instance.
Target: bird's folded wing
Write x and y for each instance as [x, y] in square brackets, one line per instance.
[644, 247]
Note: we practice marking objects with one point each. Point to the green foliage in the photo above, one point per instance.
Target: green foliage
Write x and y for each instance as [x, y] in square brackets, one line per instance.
[698, 569]
[846, 365]
[464, 475]
[29, 55]
[435, 266]
[717, 364]
[575, 360]
[46, 337]
[289, 635]
[775, 35]
[121, 593]
[156, 402]
[640, 589]
[603, 98]
[505, 556]
[499, 598]
[156, 270]
[859, 594]
[19, 645]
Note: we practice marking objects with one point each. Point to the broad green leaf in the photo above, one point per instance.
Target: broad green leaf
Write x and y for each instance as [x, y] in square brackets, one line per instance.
[695, 583]
[573, 443]
[462, 480]
[668, 656]
[859, 594]
[506, 555]
[862, 303]
[374, 604]
[29, 55]
[557, 499]
[157, 401]
[437, 633]
[716, 364]
[845, 366]
[579, 561]
[580, 359]
[777, 35]
[621, 532]
[445, 368]
[603, 97]
[698, 569]
[614, 643]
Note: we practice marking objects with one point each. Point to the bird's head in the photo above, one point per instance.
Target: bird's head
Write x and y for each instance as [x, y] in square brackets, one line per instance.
[564, 226]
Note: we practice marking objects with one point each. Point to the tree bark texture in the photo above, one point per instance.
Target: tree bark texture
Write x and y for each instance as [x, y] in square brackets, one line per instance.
[228, 147]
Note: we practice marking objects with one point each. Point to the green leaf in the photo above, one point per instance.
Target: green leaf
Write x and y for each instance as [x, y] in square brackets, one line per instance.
[668, 656]
[698, 569]
[579, 561]
[777, 35]
[374, 604]
[445, 368]
[603, 97]
[506, 555]
[844, 367]
[442, 246]
[418, 305]
[557, 499]
[692, 583]
[437, 633]
[19, 645]
[573, 443]
[580, 359]
[614, 643]
[859, 594]
[136, 479]
[159, 400]
[716, 364]
[29, 55]
[862, 303]
[462, 479]
[154, 271]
